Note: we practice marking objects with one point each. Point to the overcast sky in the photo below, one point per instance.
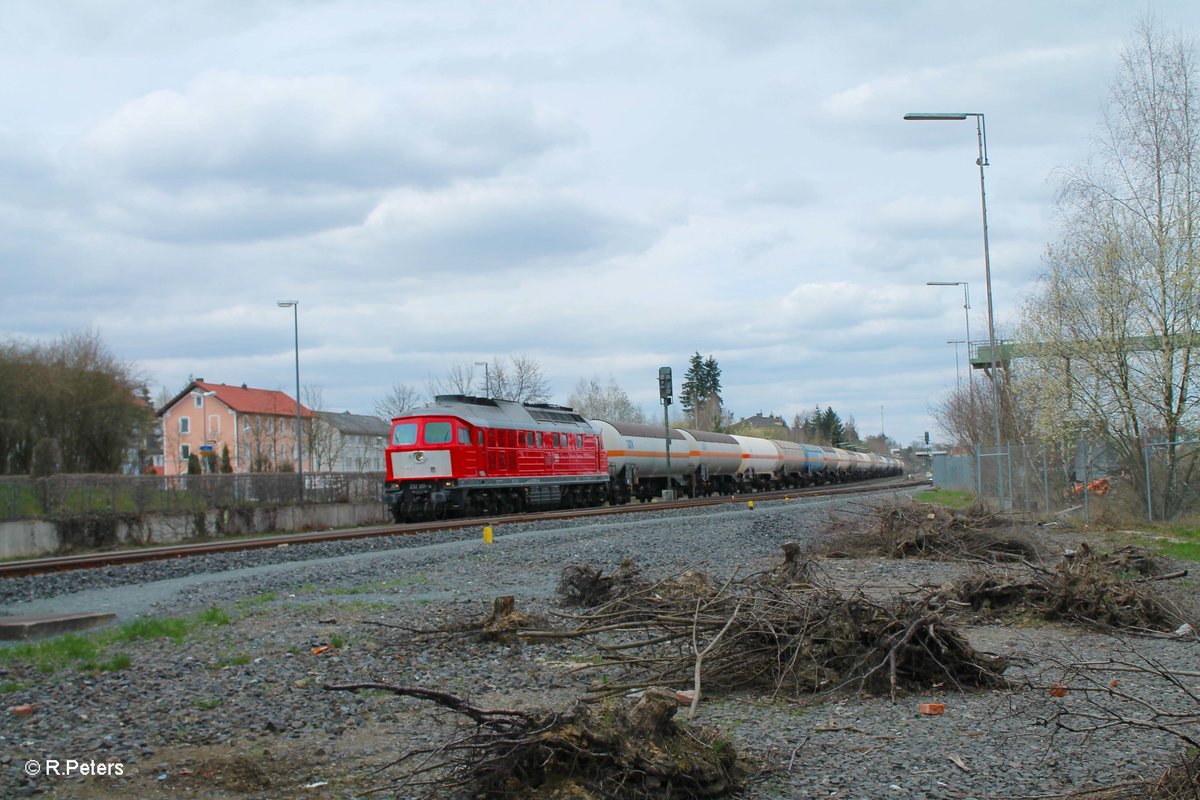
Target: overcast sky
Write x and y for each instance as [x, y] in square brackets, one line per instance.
[603, 187]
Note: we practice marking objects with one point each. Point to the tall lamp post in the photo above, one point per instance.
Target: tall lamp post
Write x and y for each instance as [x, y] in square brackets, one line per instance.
[982, 161]
[294, 305]
[967, 317]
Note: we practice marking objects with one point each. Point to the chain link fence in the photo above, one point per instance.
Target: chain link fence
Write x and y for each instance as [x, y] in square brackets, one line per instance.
[72, 495]
[1093, 480]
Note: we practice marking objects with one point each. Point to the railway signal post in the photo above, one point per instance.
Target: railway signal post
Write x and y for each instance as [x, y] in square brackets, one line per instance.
[664, 393]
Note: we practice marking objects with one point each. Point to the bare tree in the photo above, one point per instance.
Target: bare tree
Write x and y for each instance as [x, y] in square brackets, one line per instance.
[323, 442]
[459, 378]
[607, 402]
[520, 379]
[1117, 313]
[400, 398]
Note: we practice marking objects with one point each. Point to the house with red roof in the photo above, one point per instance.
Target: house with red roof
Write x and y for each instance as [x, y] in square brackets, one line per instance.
[257, 427]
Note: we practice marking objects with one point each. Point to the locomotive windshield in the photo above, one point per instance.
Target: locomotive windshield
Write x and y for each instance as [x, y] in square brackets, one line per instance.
[437, 432]
[405, 433]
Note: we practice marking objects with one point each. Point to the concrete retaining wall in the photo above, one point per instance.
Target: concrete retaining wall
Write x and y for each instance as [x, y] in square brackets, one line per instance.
[34, 538]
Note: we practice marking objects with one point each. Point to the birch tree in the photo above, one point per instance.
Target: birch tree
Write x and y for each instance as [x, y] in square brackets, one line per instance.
[1116, 313]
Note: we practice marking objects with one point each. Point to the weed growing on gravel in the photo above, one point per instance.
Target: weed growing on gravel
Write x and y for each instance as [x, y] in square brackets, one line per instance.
[176, 629]
[214, 615]
[207, 703]
[13, 686]
[234, 660]
[260, 599]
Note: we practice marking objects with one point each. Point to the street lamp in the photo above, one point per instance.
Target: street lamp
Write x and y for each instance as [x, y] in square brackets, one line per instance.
[982, 161]
[487, 382]
[967, 317]
[294, 305]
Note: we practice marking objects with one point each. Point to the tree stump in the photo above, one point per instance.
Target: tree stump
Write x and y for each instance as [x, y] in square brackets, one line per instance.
[654, 711]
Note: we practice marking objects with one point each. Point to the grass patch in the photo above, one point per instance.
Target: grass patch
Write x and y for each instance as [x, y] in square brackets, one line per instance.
[1181, 542]
[118, 662]
[52, 654]
[90, 652]
[1184, 551]
[213, 615]
[951, 498]
[260, 599]
[176, 629]
[419, 579]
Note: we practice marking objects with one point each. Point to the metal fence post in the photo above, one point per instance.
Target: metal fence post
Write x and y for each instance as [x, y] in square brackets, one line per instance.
[1012, 489]
[978, 474]
[1086, 476]
[1149, 500]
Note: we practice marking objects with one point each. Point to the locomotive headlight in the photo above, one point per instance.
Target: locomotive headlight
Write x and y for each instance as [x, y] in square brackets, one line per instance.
[418, 457]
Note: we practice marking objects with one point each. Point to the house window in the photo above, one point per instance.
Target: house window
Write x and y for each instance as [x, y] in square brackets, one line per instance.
[185, 451]
[185, 424]
[197, 401]
[245, 423]
[214, 423]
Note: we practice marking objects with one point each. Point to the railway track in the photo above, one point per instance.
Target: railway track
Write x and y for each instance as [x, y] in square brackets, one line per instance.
[41, 566]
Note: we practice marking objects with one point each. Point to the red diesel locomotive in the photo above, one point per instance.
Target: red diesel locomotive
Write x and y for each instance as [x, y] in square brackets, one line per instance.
[477, 456]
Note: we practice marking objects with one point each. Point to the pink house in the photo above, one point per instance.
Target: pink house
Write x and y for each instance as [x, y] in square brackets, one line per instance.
[256, 426]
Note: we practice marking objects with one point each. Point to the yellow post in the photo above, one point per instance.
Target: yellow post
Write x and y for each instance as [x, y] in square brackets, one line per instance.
[487, 534]
[750, 504]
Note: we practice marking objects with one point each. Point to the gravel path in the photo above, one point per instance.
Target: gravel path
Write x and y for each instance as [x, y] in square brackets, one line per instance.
[237, 711]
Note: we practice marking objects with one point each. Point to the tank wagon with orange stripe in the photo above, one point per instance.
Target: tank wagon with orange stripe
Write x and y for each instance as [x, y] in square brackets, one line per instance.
[475, 456]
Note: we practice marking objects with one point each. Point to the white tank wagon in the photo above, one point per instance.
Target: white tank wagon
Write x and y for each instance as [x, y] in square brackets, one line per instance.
[716, 460]
[762, 462]
[637, 459]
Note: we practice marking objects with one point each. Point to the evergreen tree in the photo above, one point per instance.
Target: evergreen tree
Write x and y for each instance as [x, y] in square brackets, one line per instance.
[692, 391]
[700, 395]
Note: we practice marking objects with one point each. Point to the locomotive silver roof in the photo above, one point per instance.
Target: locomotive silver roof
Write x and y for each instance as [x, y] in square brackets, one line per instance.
[491, 412]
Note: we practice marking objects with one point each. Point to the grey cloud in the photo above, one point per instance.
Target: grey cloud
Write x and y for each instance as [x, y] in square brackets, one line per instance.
[304, 133]
[228, 213]
[488, 231]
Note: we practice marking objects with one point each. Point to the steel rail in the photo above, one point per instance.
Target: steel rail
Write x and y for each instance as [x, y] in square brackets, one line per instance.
[42, 566]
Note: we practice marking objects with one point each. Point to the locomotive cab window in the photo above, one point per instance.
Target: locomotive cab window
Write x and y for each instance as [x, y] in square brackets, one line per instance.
[464, 436]
[437, 432]
[405, 433]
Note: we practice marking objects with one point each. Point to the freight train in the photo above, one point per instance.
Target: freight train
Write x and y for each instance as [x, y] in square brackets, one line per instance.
[477, 456]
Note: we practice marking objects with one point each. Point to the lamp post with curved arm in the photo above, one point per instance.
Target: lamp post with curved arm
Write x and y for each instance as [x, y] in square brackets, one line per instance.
[982, 161]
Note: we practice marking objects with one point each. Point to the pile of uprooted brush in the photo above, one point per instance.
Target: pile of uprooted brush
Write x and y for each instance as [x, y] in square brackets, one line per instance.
[1089, 586]
[912, 530]
[626, 749]
[772, 632]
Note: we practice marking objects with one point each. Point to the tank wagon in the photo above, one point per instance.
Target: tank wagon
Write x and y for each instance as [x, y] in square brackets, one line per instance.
[466, 455]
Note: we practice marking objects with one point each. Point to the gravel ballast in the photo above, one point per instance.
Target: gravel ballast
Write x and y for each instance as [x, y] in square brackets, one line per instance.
[237, 709]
